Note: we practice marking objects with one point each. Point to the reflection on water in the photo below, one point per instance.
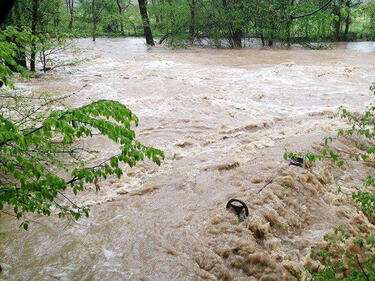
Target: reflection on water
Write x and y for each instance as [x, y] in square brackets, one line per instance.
[223, 118]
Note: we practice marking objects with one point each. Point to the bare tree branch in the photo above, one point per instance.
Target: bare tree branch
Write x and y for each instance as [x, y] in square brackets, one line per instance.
[292, 17]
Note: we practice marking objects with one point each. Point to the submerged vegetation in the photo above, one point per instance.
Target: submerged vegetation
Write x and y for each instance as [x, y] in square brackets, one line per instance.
[348, 257]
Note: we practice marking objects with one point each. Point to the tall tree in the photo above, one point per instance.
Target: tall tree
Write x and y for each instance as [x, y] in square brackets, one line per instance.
[34, 22]
[94, 19]
[349, 4]
[192, 19]
[5, 6]
[146, 22]
[121, 8]
[56, 14]
[157, 18]
[21, 54]
[70, 7]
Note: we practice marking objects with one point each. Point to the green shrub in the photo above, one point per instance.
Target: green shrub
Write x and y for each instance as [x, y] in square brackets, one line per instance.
[41, 146]
[347, 257]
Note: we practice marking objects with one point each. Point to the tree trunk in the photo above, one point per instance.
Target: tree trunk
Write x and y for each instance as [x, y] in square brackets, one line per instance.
[70, 4]
[93, 12]
[121, 19]
[56, 19]
[262, 38]
[347, 24]
[237, 38]
[122, 27]
[271, 37]
[146, 22]
[21, 54]
[288, 38]
[347, 20]
[192, 19]
[33, 31]
[337, 28]
[235, 33]
[289, 26]
[6, 6]
[71, 23]
[156, 14]
[161, 17]
[337, 24]
[43, 57]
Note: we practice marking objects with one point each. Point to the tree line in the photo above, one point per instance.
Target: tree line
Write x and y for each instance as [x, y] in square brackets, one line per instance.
[220, 21]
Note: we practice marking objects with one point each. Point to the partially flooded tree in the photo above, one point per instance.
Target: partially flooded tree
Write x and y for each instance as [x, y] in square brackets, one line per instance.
[146, 22]
[192, 18]
[34, 22]
[122, 6]
[70, 8]
[94, 19]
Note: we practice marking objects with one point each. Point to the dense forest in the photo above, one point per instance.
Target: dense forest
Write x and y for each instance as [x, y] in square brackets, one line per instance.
[287, 21]
[40, 27]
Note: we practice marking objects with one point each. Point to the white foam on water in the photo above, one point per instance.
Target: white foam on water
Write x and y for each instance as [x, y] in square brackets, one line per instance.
[224, 119]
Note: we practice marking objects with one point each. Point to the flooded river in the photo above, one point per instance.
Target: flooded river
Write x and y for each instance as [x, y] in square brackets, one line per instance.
[224, 119]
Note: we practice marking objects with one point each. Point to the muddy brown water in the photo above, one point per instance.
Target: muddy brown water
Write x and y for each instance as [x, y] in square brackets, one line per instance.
[224, 119]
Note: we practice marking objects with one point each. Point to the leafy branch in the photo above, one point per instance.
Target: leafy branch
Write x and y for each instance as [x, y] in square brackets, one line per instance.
[360, 260]
[31, 158]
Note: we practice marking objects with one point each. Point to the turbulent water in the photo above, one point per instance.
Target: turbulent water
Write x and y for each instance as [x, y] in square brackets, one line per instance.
[224, 119]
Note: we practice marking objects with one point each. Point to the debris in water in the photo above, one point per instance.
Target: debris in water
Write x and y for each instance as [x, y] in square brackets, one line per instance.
[226, 167]
[264, 186]
[238, 209]
[296, 162]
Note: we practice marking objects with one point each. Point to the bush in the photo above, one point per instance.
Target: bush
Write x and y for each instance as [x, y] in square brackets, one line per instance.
[41, 146]
[346, 257]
